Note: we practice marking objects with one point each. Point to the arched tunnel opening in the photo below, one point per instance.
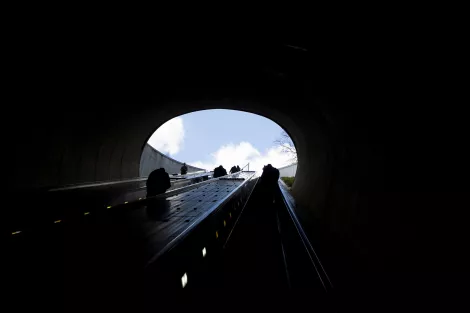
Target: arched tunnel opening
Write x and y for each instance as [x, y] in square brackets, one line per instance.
[370, 189]
[206, 139]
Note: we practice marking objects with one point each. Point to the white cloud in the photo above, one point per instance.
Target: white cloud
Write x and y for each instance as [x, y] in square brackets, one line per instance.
[169, 137]
[243, 153]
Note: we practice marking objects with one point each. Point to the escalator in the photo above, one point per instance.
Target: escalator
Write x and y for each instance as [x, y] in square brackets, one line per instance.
[253, 255]
[267, 249]
[250, 241]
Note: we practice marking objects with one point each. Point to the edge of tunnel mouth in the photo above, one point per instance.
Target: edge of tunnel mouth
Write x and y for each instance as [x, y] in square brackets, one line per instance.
[204, 108]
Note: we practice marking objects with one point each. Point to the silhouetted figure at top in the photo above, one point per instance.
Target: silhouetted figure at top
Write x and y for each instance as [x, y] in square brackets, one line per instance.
[238, 168]
[184, 169]
[157, 182]
[233, 169]
[219, 171]
[270, 176]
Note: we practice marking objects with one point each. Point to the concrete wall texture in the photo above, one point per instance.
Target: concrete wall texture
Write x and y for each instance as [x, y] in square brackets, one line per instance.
[152, 159]
[288, 171]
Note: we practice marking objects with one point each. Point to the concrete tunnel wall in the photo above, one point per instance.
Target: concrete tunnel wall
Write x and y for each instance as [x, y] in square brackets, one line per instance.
[288, 171]
[366, 176]
[152, 159]
[336, 156]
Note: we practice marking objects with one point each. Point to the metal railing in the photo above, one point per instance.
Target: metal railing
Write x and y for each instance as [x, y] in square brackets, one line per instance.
[117, 182]
[314, 260]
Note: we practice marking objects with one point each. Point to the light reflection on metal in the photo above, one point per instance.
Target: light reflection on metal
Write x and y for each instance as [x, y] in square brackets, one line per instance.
[184, 280]
[204, 252]
[86, 213]
[57, 221]
[108, 207]
[16, 232]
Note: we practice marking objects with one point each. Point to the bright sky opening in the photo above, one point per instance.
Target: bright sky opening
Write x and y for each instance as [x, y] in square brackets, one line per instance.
[210, 138]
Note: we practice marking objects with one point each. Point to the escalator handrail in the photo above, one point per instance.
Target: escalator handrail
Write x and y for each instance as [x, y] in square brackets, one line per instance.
[290, 205]
[241, 213]
[116, 182]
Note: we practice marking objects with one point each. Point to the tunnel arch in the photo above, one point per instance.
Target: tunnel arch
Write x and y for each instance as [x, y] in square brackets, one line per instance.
[109, 147]
[92, 126]
[260, 108]
[346, 183]
[109, 151]
[98, 142]
[145, 148]
[215, 107]
[77, 121]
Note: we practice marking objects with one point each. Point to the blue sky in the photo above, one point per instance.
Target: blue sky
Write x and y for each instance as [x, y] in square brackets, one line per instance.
[221, 137]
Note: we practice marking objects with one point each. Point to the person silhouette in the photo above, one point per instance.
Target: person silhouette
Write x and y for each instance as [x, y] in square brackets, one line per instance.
[184, 169]
[223, 172]
[219, 171]
[157, 182]
[233, 169]
[238, 168]
[270, 177]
